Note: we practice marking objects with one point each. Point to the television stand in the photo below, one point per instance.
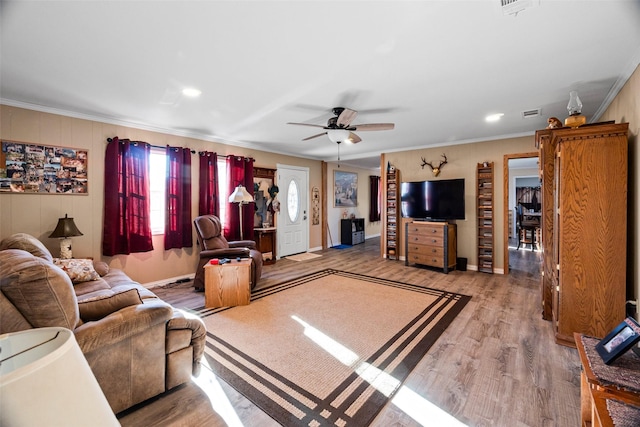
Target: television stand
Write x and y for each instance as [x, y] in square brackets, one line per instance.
[432, 244]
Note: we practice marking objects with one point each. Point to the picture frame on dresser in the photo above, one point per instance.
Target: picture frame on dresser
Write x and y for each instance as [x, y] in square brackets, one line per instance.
[619, 340]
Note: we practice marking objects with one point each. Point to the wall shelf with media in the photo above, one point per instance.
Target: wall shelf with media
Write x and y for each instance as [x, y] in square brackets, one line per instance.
[485, 196]
[392, 245]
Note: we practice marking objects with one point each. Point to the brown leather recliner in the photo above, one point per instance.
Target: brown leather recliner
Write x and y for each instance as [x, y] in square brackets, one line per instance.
[214, 245]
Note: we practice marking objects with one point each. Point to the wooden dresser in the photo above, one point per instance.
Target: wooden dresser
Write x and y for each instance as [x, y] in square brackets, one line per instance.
[432, 244]
[585, 249]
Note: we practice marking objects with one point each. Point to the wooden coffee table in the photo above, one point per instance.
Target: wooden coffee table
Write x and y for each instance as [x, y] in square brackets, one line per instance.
[227, 285]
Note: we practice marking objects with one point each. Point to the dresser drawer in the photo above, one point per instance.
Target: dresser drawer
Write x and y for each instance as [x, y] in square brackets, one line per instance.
[425, 230]
[431, 240]
[430, 260]
[424, 250]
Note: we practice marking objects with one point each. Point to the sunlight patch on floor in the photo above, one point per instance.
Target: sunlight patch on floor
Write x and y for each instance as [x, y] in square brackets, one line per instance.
[411, 403]
[208, 382]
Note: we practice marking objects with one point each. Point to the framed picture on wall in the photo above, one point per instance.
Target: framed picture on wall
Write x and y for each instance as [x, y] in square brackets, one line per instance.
[43, 169]
[345, 189]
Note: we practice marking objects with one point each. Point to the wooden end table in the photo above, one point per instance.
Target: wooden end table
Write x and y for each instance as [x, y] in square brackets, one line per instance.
[228, 284]
[266, 243]
[599, 384]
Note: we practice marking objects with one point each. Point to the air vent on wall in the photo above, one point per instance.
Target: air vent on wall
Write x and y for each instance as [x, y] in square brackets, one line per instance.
[513, 7]
[531, 113]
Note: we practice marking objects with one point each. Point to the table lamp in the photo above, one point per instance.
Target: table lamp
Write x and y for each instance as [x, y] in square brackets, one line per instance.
[65, 229]
[240, 196]
[45, 380]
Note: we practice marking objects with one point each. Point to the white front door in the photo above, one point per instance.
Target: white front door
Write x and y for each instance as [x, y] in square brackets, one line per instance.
[293, 219]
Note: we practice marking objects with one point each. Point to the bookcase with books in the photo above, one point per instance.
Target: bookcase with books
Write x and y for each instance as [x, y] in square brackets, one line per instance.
[392, 213]
[485, 217]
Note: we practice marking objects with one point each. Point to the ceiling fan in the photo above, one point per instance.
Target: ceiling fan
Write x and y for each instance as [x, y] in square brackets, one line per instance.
[339, 128]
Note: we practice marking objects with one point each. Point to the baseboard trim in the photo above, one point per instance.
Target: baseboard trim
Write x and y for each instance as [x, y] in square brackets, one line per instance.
[169, 280]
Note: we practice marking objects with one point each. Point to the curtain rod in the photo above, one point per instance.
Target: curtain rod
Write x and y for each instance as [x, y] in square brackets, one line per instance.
[151, 145]
[192, 151]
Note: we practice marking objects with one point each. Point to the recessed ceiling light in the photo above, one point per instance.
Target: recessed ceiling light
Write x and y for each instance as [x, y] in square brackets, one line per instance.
[494, 117]
[191, 92]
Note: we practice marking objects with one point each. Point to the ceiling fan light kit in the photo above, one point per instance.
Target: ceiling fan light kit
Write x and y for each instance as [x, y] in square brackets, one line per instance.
[338, 135]
[339, 128]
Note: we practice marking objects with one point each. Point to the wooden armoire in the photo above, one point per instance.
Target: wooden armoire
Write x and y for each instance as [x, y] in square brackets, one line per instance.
[584, 228]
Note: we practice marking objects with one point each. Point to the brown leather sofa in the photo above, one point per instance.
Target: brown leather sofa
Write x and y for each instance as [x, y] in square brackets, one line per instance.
[137, 345]
[214, 245]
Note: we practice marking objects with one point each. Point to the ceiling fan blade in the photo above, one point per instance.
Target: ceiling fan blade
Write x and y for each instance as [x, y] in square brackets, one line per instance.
[373, 126]
[305, 124]
[314, 136]
[346, 117]
[354, 138]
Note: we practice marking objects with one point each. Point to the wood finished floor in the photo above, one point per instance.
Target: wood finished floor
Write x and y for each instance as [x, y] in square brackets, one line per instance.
[496, 365]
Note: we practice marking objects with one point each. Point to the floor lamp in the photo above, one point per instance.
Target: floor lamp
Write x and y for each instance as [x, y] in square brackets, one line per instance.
[240, 196]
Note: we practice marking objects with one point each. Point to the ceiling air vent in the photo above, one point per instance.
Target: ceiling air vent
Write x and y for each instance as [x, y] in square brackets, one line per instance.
[531, 113]
[513, 7]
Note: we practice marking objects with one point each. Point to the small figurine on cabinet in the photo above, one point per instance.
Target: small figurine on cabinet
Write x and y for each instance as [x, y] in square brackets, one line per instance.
[554, 123]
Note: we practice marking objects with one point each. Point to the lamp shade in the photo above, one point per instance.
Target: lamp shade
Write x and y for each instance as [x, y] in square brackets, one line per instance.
[338, 135]
[240, 195]
[66, 228]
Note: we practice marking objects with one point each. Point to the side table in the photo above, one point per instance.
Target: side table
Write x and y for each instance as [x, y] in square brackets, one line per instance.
[227, 285]
[266, 243]
[609, 394]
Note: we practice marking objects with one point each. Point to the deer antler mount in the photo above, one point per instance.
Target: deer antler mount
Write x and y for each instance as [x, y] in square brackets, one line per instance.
[434, 169]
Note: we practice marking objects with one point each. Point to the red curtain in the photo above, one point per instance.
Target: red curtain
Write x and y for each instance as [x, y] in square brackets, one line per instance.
[240, 170]
[374, 198]
[126, 227]
[208, 185]
[177, 226]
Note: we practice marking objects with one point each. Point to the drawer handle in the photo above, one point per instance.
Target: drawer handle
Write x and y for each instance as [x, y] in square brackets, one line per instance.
[433, 240]
[434, 250]
[434, 231]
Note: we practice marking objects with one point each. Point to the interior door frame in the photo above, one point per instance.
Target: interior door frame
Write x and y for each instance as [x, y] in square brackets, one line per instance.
[505, 202]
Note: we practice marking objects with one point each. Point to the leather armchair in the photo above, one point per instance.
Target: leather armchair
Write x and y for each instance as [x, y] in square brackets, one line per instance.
[214, 245]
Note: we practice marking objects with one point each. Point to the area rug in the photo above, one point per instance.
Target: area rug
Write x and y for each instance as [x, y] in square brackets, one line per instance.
[329, 348]
[341, 247]
[303, 256]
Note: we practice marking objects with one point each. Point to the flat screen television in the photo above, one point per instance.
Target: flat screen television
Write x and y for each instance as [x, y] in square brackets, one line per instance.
[433, 200]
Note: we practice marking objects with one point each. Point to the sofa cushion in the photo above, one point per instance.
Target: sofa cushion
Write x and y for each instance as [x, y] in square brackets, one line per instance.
[101, 267]
[78, 270]
[41, 291]
[99, 307]
[28, 243]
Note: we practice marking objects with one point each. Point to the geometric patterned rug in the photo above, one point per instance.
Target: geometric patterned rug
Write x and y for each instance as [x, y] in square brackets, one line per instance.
[328, 348]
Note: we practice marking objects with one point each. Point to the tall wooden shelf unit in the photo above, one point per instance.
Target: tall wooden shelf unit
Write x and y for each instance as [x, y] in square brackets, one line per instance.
[392, 219]
[588, 237]
[485, 217]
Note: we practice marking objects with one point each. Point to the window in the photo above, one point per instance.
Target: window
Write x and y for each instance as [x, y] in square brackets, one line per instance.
[223, 191]
[157, 185]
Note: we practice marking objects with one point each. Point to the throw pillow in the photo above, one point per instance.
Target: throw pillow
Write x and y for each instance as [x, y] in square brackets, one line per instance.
[78, 270]
[99, 307]
[101, 267]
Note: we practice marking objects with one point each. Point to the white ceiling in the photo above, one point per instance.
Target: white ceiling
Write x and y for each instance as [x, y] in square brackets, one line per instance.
[434, 68]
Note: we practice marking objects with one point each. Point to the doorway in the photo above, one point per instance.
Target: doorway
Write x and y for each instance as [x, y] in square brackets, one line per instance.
[292, 234]
[524, 161]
